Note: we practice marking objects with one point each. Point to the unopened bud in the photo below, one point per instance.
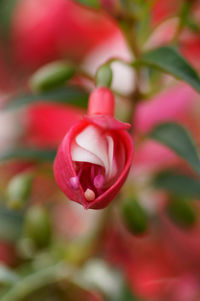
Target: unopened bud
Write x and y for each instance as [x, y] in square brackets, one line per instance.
[101, 102]
[51, 76]
[19, 189]
[38, 226]
[134, 216]
[181, 212]
[104, 76]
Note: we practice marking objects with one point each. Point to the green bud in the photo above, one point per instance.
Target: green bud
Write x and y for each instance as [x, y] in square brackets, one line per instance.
[134, 216]
[38, 226]
[51, 76]
[18, 190]
[181, 212]
[25, 248]
[104, 76]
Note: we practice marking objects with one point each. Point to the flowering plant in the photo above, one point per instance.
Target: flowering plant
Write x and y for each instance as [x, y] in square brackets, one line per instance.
[99, 109]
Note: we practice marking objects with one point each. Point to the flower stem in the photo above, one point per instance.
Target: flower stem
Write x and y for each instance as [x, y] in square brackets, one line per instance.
[37, 280]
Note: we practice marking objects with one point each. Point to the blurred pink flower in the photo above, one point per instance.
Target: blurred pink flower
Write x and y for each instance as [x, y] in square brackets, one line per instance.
[50, 29]
[173, 104]
[176, 104]
[47, 123]
[158, 266]
[8, 254]
[164, 9]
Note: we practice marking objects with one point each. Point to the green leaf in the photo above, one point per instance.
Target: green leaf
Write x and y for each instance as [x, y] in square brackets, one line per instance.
[186, 17]
[29, 154]
[66, 95]
[19, 189]
[90, 3]
[104, 76]
[38, 226]
[37, 280]
[11, 224]
[178, 184]
[185, 12]
[182, 213]
[178, 139]
[134, 216]
[144, 24]
[6, 11]
[51, 76]
[169, 60]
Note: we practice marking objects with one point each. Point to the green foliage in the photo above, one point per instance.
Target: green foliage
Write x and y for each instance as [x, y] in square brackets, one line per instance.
[169, 60]
[29, 154]
[104, 76]
[36, 280]
[18, 190]
[11, 224]
[126, 295]
[90, 3]
[134, 216]
[51, 76]
[66, 95]
[186, 17]
[178, 139]
[6, 12]
[38, 225]
[30, 230]
[178, 184]
[182, 213]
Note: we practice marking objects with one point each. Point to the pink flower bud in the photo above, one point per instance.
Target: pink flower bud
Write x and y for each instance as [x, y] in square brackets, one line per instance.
[101, 102]
[95, 156]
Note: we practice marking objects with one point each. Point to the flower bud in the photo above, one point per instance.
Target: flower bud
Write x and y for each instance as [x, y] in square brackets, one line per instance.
[134, 216]
[101, 102]
[38, 226]
[51, 76]
[104, 76]
[19, 189]
[95, 156]
[182, 213]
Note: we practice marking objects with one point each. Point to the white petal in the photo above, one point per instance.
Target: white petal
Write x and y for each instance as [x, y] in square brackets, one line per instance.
[79, 154]
[112, 165]
[91, 140]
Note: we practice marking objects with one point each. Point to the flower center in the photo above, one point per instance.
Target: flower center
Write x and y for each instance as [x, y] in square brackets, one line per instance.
[91, 177]
[92, 152]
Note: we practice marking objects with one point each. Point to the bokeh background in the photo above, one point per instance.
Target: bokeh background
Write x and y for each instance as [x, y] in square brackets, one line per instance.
[51, 248]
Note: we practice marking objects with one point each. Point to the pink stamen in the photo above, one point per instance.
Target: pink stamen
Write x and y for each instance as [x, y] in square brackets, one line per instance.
[98, 181]
[89, 195]
[74, 182]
